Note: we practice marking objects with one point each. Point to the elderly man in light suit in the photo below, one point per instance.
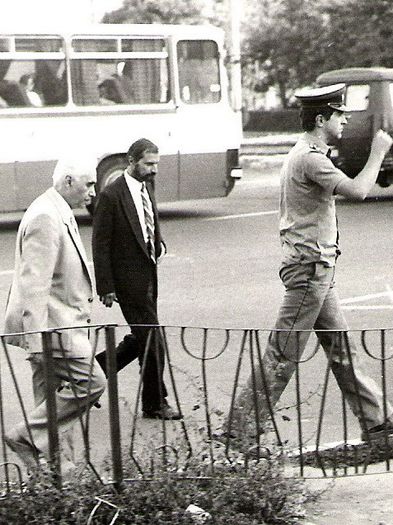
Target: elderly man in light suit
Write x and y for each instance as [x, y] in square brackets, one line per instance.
[52, 287]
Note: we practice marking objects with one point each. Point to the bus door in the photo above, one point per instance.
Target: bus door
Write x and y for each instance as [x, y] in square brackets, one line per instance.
[205, 120]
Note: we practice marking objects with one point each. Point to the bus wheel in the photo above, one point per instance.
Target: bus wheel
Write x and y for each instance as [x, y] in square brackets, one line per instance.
[108, 171]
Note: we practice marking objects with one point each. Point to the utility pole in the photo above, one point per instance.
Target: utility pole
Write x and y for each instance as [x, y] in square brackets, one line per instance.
[235, 12]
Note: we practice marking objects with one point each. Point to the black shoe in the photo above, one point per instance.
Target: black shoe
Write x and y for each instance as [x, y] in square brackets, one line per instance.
[165, 412]
[378, 432]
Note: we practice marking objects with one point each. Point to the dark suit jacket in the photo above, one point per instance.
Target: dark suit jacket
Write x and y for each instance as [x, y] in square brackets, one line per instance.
[121, 259]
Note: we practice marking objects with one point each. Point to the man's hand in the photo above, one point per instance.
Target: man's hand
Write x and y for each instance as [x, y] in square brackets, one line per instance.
[108, 299]
[163, 252]
[382, 142]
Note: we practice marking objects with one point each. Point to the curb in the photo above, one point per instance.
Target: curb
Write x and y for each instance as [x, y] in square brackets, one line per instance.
[266, 151]
[261, 161]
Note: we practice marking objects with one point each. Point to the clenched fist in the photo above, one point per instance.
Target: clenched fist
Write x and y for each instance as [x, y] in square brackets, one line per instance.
[382, 142]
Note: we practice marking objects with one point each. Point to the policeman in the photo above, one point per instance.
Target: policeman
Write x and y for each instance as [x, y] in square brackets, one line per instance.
[309, 240]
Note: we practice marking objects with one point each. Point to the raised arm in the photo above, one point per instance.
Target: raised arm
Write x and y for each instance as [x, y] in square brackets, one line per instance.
[359, 187]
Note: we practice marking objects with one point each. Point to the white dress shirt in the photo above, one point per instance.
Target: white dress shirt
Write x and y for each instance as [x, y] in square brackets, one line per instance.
[135, 188]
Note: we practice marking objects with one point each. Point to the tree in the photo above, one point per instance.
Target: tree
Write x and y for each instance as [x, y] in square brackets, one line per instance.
[283, 37]
[164, 11]
[361, 34]
[293, 41]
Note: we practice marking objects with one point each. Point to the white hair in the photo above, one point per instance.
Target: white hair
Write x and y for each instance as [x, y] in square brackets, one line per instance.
[74, 166]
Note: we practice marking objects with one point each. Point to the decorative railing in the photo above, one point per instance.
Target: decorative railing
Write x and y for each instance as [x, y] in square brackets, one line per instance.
[218, 379]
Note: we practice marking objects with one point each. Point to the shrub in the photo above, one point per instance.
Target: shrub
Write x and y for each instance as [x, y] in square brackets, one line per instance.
[256, 496]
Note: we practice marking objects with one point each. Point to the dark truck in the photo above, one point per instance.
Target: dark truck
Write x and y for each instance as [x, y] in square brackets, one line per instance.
[369, 98]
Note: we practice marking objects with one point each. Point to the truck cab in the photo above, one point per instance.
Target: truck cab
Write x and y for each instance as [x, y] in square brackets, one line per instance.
[369, 99]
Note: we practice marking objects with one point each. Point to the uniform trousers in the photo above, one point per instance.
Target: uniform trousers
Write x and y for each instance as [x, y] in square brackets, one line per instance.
[74, 378]
[311, 303]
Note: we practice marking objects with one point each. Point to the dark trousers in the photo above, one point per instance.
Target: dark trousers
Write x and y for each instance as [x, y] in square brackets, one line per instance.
[134, 346]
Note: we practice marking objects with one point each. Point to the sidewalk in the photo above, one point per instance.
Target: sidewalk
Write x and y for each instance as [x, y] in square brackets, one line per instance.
[265, 151]
[268, 145]
[351, 500]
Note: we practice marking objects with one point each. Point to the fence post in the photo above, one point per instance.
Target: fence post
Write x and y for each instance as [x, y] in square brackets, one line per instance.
[113, 400]
[53, 434]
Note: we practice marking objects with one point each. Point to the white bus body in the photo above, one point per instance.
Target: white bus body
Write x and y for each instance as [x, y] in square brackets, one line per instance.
[99, 90]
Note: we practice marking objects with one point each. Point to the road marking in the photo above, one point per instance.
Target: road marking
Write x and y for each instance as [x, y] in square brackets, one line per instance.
[348, 304]
[241, 215]
[371, 307]
[367, 297]
[6, 272]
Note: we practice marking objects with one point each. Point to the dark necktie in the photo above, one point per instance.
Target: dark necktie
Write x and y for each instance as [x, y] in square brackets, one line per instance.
[149, 221]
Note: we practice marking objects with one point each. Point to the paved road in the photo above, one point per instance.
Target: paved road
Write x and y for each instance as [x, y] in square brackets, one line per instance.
[221, 271]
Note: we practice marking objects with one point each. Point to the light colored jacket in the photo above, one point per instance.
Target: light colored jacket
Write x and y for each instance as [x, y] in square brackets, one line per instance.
[52, 285]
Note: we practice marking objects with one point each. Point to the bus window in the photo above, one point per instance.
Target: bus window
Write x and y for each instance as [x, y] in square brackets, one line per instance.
[136, 74]
[25, 83]
[199, 76]
[32, 72]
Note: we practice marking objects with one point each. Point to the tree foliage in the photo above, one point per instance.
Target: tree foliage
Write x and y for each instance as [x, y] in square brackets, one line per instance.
[293, 41]
[164, 11]
[360, 34]
[283, 39]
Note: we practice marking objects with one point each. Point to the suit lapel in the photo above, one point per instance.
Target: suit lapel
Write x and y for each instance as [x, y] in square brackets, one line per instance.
[74, 234]
[79, 246]
[131, 213]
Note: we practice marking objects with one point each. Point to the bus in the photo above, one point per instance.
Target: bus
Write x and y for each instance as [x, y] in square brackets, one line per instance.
[101, 88]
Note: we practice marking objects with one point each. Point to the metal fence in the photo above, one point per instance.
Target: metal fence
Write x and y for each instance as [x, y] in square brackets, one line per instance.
[207, 371]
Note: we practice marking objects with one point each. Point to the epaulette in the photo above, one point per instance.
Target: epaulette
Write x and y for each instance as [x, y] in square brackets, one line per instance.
[314, 147]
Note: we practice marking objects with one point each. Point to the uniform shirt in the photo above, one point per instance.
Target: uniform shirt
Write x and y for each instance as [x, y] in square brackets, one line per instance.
[135, 188]
[308, 224]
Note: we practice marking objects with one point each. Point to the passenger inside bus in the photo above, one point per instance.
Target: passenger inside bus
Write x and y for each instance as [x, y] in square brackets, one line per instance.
[27, 83]
[116, 90]
[51, 81]
[108, 92]
[125, 76]
[13, 94]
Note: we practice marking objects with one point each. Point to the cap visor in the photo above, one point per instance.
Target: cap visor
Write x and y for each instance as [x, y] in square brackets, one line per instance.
[338, 107]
